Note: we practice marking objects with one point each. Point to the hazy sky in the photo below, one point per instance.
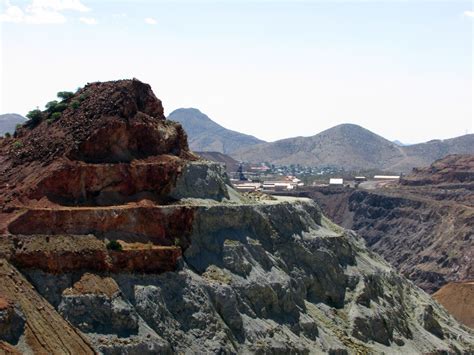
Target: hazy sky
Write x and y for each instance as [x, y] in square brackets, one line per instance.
[274, 69]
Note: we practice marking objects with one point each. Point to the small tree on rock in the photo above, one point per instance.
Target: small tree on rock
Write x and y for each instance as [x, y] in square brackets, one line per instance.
[34, 116]
[64, 95]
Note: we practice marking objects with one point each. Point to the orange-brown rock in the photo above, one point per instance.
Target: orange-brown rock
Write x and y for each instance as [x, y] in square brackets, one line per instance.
[163, 225]
[7, 349]
[5, 303]
[114, 122]
[81, 183]
[458, 299]
[46, 332]
[61, 254]
[93, 284]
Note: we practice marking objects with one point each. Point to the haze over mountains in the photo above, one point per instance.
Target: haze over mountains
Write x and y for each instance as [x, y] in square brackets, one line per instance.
[347, 145]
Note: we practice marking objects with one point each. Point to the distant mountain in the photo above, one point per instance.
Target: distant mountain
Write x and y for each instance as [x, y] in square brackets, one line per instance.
[423, 154]
[206, 135]
[9, 121]
[347, 145]
[353, 147]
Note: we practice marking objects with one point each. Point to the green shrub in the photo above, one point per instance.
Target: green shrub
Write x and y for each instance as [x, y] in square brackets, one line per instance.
[34, 116]
[8, 135]
[82, 97]
[75, 105]
[114, 245]
[55, 116]
[54, 106]
[60, 107]
[18, 126]
[51, 106]
[64, 95]
[17, 145]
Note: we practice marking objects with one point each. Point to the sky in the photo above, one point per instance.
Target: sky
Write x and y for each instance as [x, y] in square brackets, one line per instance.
[273, 69]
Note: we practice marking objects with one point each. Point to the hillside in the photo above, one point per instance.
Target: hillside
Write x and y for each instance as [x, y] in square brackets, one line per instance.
[206, 135]
[9, 121]
[423, 154]
[455, 168]
[422, 225]
[116, 239]
[347, 145]
[354, 148]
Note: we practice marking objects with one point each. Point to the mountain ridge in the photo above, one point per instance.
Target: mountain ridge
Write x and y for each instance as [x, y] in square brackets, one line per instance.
[351, 146]
[206, 135]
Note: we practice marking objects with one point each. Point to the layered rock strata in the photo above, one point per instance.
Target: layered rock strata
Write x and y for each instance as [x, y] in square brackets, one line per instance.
[116, 239]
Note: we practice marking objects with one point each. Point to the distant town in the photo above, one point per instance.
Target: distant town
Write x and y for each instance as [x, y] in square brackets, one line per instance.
[270, 178]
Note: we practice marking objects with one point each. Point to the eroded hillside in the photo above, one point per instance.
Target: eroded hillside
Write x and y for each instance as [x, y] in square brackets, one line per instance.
[115, 233]
[423, 226]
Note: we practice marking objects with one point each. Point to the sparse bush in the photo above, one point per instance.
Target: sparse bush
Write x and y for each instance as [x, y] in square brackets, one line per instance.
[55, 116]
[18, 126]
[34, 116]
[54, 106]
[17, 145]
[114, 245]
[75, 105]
[60, 107]
[82, 97]
[51, 106]
[64, 95]
[8, 135]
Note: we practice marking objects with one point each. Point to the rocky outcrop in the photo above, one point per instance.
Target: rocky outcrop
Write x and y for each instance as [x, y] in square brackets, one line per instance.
[454, 168]
[128, 244]
[273, 277]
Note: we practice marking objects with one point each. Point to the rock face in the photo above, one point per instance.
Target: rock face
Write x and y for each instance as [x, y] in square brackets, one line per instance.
[425, 232]
[422, 226]
[113, 261]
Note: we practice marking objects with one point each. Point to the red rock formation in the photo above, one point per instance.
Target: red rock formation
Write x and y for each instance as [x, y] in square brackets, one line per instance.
[102, 170]
[161, 225]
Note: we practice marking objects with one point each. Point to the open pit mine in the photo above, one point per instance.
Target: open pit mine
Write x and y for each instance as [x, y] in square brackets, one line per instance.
[116, 239]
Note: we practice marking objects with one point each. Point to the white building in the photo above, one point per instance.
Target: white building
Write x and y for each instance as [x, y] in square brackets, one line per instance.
[386, 177]
[247, 186]
[336, 181]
